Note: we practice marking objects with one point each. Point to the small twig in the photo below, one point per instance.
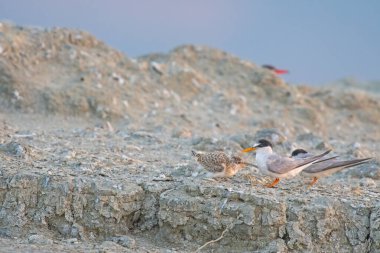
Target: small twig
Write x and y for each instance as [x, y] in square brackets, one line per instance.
[110, 127]
[223, 204]
[230, 226]
[24, 135]
[212, 241]
[250, 164]
[209, 180]
[163, 179]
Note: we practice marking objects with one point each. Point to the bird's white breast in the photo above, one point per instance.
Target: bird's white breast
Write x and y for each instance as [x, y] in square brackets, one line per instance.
[262, 155]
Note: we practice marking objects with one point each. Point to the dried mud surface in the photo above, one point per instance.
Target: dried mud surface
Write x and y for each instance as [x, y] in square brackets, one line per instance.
[95, 152]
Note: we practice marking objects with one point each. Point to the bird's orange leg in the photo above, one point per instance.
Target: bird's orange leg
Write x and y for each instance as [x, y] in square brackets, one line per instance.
[274, 183]
[315, 179]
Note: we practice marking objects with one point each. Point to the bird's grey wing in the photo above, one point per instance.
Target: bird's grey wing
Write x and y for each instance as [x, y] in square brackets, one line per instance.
[331, 164]
[357, 162]
[316, 158]
[321, 165]
[280, 165]
[329, 159]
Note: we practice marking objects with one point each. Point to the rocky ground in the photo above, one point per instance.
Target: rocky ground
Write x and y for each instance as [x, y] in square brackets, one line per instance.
[95, 152]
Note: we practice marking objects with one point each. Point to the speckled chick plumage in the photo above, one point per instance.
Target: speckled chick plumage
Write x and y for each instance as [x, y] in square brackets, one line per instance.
[219, 163]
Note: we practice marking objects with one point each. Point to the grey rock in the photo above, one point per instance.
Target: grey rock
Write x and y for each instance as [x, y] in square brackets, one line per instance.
[214, 144]
[124, 241]
[271, 134]
[5, 232]
[87, 207]
[311, 140]
[182, 133]
[150, 206]
[370, 170]
[244, 140]
[183, 171]
[305, 225]
[368, 182]
[14, 148]
[72, 240]
[39, 239]
[110, 247]
[375, 228]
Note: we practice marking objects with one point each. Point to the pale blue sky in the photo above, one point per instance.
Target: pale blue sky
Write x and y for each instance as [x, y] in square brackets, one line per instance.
[318, 41]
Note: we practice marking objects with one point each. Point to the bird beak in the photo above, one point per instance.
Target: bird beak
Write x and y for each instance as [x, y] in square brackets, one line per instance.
[249, 149]
[281, 71]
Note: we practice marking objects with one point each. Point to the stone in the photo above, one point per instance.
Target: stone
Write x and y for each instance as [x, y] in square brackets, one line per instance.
[308, 221]
[125, 241]
[14, 148]
[39, 239]
[271, 134]
[110, 247]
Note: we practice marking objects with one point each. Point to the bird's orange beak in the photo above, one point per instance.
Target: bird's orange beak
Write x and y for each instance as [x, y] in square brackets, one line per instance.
[249, 149]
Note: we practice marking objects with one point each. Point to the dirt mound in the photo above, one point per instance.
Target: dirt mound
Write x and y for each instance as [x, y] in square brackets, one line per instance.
[354, 84]
[70, 73]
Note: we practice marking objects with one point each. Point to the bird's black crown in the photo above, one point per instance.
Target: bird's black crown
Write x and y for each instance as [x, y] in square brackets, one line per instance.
[267, 66]
[264, 143]
[298, 151]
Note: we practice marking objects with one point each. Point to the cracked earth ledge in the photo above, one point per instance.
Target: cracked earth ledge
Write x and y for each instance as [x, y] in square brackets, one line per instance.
[188, 212]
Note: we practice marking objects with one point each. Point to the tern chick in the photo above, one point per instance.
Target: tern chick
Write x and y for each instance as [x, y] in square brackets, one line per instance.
[325, 167]
[274, 165]
[220, 164]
